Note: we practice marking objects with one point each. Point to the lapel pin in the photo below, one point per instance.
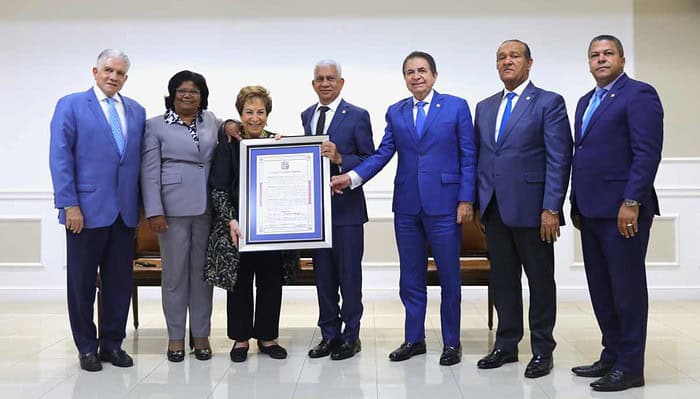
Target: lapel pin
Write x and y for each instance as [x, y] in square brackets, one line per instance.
[342, 112]
[612, 95]
[527, 98]
[437, 105]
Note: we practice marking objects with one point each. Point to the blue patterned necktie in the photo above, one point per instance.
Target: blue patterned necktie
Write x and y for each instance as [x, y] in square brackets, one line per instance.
[420, 117]
[116, 125]
[506, 115]
[597, 98]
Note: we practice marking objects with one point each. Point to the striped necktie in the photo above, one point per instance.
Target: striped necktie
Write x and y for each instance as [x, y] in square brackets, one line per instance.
[597, 98]
[116, 125]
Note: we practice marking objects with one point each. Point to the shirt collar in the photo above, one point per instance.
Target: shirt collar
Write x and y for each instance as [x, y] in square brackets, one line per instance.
[609, 85]
[102, 96]
[518, 90]
[333, 106]
[428, 99]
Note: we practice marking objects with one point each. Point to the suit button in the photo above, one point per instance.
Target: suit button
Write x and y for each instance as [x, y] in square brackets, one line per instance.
[580, 147]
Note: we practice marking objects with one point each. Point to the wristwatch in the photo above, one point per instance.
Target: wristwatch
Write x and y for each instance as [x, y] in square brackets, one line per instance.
[552, 211]
[631, 202]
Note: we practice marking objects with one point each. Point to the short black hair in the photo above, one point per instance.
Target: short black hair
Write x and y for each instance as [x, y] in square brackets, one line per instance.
[527, 54]
[610, 38]
[420, 54]
[188, 76]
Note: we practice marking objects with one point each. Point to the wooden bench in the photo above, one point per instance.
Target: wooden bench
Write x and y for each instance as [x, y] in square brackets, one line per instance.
[474, 264]
[147, 269]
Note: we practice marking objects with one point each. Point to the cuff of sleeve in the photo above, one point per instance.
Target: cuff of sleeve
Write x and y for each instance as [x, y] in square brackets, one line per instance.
[355, 180]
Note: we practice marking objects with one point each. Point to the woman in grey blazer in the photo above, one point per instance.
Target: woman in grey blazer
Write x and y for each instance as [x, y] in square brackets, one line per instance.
[177, 151]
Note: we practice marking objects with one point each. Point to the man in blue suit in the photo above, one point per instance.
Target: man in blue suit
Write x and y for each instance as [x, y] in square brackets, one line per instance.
[433, 194]
[95, 158]
[340, 267]
[525, 146]
[619, 135]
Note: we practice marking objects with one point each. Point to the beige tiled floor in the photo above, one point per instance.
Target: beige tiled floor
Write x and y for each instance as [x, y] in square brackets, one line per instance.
[39, 359]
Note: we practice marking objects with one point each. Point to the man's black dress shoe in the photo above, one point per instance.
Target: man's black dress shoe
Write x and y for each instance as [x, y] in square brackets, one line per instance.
[451, 355]
[497, 358]
[202, 354]
[407, 350]
[274, 351]
[324, 348]
[597, 369]
[176, 356]
[617, 380]
[347, 350]
[117, 357]
[239, 354]
[90, 362]
[539, 366]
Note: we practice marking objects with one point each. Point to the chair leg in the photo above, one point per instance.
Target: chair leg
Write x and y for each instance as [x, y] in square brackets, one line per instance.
[135, 305]
[490, 295]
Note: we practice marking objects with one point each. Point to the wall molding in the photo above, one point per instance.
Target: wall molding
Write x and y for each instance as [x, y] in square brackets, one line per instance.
[21, 266]
[675, 264]
[680, 160]
[26, 195]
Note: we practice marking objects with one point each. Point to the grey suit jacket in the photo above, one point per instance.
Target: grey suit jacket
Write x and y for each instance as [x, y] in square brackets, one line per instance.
[173, 172]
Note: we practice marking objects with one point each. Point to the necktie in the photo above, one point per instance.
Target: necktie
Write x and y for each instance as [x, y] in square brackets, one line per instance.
[116, 125]
[420, 117]
[597, 98]
[321, 124]
[506, 115]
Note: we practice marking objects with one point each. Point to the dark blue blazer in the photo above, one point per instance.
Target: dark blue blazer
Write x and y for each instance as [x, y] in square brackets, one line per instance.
[619, 154]
[86, 168]
[528, 169]
[351, 132]
[436, 171]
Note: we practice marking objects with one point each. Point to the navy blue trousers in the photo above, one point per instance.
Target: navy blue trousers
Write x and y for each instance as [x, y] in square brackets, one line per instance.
[616, 273]
[111, 251]
[445, 237]
[340, 268]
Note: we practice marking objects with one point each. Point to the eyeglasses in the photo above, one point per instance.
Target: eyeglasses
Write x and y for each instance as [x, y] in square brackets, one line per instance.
[184, 92]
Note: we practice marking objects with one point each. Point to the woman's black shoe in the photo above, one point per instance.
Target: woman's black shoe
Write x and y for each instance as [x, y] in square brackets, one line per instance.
[274, 351]
[202, 354]
[239, 354]
[176, 356]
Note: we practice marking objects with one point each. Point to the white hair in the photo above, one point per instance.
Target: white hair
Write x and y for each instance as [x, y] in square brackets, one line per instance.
[112, 53]
[329, 62]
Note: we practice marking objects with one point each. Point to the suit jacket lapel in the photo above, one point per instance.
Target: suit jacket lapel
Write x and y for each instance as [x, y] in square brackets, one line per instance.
[580, 112]
[523, 103]
[607, 100]
[433, 113]
[338, 118]
[96, 109]
[127, 117]
[408, 118]
[491, 109]
[307, 122]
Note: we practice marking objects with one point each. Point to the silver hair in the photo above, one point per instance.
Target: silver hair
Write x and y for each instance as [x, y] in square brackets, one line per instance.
[332, 63]
[112, 53]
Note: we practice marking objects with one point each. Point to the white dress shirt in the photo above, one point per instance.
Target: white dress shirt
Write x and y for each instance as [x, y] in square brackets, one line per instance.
[118, 104]
[332, 107]
[504, 100]
[355, 179]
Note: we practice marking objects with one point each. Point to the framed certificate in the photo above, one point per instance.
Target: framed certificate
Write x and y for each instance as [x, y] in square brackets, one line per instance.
[285, 194]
